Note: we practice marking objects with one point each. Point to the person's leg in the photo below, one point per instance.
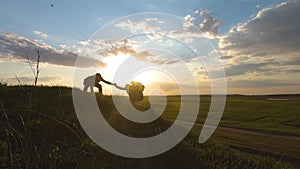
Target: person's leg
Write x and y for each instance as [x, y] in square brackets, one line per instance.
[85, 88]
[99, 86]
[92, 89]
[100, 89]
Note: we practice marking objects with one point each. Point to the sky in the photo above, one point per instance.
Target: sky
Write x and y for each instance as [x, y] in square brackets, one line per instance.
[170, 45]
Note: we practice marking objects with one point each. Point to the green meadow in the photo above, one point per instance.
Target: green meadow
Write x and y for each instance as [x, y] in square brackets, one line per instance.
[39, 129]
[274, 113]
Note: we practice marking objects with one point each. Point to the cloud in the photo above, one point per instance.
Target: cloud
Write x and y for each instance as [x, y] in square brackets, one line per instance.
[144, 56]
[99, 18]
[209, 25]
[45, 79]
[106, 48]
[170, 88]
[241, 69]
[225, 57]
[188, 21]
[41, 34]
[199, 24]
[151, 27]
[64, 46]
[17, 47]
[162, 61]
[268, 41]
[187, 34]
[139, 26]
[258, 83]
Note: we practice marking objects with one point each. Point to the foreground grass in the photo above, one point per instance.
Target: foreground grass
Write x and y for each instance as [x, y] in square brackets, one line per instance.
[39, 129]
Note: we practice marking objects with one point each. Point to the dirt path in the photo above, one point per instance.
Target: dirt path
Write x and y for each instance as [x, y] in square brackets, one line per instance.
[252, 132]
[283, 147]
[259, 133]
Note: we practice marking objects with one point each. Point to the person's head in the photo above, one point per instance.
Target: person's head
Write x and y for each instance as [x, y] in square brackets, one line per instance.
[98, 75]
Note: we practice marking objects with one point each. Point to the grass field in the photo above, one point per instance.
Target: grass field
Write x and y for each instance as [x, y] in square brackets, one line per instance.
[39, 129]
[254, 112]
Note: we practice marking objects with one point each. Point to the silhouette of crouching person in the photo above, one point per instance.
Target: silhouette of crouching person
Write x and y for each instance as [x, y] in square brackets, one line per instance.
[134, 90]
[93, 81]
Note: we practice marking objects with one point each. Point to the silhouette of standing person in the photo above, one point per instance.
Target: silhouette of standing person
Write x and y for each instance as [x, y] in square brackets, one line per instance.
[93, 81]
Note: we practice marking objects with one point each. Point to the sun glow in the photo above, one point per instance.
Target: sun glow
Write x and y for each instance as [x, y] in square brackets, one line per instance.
[152, 76]
[145, 77]
[114, 62]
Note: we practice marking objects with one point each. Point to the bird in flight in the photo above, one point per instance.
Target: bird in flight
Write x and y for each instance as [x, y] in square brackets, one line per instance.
[52, 5]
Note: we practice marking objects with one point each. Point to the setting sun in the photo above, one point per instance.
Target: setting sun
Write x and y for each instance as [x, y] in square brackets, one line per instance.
[145, 77]
[115, 62]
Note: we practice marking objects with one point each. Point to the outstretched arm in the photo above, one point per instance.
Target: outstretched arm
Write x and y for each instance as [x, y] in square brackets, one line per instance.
[119, 87]
[105, 81]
